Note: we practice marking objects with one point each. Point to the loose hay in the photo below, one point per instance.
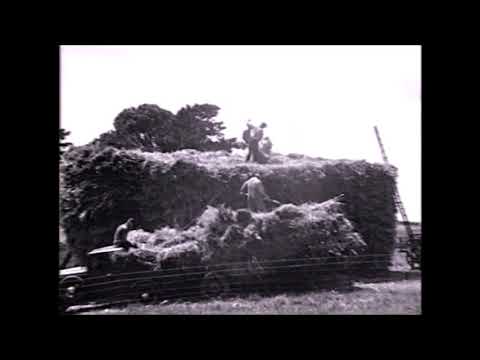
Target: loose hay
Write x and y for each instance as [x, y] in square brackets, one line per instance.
[318, 231]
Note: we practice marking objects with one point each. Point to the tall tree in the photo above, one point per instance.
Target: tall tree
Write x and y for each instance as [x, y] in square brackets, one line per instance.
[197, 128]
[151, 128]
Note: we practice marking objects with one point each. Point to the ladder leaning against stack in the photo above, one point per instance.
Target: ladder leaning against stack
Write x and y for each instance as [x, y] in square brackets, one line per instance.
[399, 204]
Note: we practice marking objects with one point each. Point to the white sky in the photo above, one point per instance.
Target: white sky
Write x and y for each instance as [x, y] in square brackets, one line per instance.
[316, 100]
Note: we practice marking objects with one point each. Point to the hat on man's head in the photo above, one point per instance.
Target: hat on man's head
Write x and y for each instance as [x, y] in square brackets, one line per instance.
[263, 125]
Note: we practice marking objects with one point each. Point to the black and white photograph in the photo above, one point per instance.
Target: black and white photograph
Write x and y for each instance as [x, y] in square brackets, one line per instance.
[240, 180]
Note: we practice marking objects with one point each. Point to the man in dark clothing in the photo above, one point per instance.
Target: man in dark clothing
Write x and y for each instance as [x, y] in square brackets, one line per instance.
[120, 236]
[247, 137]
[257, 135]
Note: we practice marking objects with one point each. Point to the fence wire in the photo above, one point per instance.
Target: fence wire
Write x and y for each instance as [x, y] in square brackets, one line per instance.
[176, 270]
[199, 295]
[243, 277]
[247, 267]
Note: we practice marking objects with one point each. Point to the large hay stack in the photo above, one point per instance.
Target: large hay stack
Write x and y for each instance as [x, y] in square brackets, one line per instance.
[102, 188]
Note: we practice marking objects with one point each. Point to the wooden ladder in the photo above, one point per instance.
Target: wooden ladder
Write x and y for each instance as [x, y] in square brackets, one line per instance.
[398, 201]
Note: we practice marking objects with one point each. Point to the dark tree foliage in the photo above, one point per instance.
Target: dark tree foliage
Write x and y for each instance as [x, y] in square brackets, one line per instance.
[151, 128]
[62, 135]
[197, 129]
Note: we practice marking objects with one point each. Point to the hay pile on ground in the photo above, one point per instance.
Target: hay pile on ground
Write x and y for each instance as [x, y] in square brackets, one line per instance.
[102, 188]
[221, 236]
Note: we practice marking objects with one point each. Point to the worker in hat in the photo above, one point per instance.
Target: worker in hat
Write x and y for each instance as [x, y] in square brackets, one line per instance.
[120, 236]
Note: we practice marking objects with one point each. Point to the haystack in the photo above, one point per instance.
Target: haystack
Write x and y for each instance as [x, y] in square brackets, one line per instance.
[159, 190]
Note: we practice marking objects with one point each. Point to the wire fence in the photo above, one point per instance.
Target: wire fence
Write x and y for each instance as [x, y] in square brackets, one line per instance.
[244, 272]
[175, 270]
[232, 282]
[243, 278]
[246, 266]
[197, 294]
[337, 247]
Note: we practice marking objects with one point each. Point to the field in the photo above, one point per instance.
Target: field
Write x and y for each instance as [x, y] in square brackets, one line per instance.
[387, 298]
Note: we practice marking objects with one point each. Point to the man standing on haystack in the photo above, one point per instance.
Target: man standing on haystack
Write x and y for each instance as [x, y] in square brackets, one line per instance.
[257, 135]
[255, 191]
[247, 137]
[120, 236]
[266, 147]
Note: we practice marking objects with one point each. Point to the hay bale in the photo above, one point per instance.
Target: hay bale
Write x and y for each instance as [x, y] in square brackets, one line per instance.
[173, 189]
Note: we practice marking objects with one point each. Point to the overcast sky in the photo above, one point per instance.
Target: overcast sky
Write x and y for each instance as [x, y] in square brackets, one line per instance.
[316, 100]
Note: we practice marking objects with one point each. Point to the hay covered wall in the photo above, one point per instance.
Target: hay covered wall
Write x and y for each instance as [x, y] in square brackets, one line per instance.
[102, 188]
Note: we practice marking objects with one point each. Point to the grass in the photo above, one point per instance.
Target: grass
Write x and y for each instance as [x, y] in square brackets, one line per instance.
[388, 298]
[399, 261]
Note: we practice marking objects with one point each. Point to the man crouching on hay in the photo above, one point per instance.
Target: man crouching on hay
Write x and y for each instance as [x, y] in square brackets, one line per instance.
[255, 191]
[120, 236]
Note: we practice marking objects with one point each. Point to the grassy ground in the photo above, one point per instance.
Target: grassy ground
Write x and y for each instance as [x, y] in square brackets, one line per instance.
[399, 261]
[403, 297]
